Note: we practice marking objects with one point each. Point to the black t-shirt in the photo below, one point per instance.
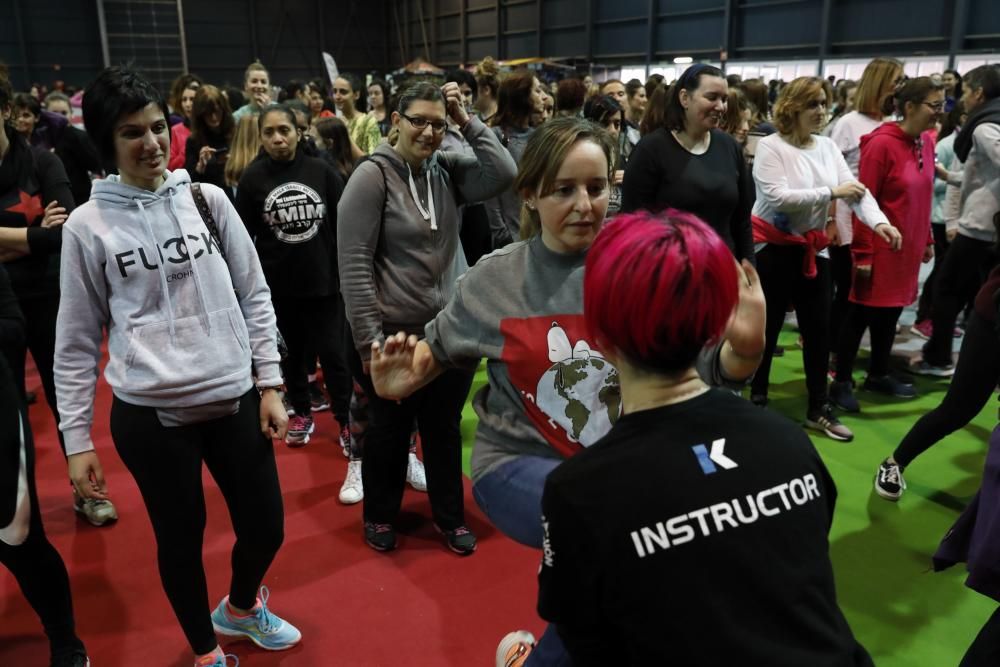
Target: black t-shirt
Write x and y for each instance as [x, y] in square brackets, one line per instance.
[290, 210]
[715, 186]
[695, 534]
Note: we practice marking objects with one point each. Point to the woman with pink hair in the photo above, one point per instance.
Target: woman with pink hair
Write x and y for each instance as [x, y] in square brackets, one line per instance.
[690, 479]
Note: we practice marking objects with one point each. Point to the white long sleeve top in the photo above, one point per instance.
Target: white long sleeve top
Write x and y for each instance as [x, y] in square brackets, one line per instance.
[847, 133]
[798, 183]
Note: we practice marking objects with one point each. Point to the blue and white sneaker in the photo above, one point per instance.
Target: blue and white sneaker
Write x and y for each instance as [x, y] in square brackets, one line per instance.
[262, 627]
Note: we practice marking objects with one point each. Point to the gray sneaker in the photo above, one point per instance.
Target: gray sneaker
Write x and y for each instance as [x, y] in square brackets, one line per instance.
[96, 512]
[823, 420]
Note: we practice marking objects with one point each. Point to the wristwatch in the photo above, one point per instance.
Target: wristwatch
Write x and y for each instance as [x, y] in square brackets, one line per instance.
[277, 387]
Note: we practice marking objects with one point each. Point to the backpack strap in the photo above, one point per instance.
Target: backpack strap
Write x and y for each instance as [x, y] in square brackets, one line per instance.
[206, 216]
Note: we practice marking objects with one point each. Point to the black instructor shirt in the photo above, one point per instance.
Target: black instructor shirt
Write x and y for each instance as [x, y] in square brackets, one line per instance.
[695, 535]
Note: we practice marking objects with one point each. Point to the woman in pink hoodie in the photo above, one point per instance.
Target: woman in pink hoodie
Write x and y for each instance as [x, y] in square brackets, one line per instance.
[897, 166]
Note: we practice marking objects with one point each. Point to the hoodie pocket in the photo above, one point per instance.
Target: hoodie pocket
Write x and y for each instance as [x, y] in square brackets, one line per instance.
[192, 358]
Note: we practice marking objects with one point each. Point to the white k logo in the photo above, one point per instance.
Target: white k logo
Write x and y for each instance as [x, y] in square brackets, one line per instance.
[718, 457]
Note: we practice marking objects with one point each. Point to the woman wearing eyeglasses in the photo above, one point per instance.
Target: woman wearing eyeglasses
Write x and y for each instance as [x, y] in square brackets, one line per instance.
[400, 258]
[798, 173]
[897, 167]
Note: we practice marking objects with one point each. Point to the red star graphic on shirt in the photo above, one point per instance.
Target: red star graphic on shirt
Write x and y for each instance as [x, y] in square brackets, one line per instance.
[30, 206]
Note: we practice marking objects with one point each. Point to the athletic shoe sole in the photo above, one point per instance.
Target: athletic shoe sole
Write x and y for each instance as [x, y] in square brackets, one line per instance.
[245, 635]
[816, 426]
[319, 407]
[886, 494]
[514, 640]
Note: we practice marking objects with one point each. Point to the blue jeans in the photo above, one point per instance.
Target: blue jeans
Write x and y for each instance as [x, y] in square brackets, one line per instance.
[511, 496]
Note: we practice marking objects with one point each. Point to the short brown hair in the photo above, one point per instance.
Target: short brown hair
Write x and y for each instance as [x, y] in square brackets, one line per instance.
[877, 82]
[206, 100]
[793, 99]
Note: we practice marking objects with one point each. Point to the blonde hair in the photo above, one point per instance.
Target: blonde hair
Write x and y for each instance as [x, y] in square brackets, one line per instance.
[877, 82]
[244, 149]
[793, 100]
[545, 153]
[255, 66]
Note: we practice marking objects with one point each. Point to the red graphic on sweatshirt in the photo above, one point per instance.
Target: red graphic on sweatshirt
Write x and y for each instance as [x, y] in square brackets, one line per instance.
[570, 390]
[30, 206]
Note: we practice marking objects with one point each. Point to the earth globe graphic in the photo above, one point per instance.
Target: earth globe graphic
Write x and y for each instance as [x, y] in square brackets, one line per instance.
[581, 394]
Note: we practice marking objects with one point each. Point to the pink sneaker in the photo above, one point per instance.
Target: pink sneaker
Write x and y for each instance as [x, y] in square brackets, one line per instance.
[299, 430]
[923, 329]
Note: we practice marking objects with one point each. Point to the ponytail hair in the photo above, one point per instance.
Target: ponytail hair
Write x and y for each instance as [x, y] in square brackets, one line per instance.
[914, 91]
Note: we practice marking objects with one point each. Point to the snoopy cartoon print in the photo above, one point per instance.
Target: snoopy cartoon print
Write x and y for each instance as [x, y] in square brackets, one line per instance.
[579, 392]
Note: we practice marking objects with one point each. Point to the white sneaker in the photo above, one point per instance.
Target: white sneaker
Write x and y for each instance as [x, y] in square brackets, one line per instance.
[353, 491]
[96, 512]
[415, 475]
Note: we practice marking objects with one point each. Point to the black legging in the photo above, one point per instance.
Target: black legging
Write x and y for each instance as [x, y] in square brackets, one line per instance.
[963, 272]
[40, 572]
[783, 282]
[437, 410]
[166, 464]
[841, 273]
[881, 324]
[985, 648]
[925, 307]
[40, 333]
[312, 326]
[975, 379]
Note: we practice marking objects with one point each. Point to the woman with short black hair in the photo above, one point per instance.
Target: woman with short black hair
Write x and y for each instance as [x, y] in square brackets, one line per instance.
[170, 272]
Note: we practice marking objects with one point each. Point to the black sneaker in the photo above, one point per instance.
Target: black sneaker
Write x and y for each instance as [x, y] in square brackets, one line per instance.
[779, 351]
[822, 419]
[460, 540]
[888, 385]
[317, 397]
[889, 482]
[842, 395]
[380, 536]
[74, 659]
[760, 400]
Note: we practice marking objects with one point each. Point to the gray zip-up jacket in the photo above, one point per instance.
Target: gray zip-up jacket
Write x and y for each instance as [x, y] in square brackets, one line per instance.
[980, 196]
[396, 271]
[183, 324]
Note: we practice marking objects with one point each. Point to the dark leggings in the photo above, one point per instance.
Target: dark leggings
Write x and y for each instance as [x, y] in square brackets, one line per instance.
[963, 272]
[783, 282]
[40, 333]
[881, 324]
[985, 648]
[437, 409]
[314, 326]
[925, 307]
[841, 273]
[975, 379]
[40, 572]
[166, 464]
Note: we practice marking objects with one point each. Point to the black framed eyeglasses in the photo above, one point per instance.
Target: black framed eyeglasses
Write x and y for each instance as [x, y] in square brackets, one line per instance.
[936, 107]
[421, 123]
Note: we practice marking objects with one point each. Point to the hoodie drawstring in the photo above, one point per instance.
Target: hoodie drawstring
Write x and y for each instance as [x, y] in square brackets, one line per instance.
[194, 265]
[159, 266]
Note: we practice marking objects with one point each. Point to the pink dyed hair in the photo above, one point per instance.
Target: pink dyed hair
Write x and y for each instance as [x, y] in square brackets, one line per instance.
[658, 288]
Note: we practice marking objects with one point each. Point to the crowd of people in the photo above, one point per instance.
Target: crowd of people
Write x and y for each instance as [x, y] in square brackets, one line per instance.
[623, 256]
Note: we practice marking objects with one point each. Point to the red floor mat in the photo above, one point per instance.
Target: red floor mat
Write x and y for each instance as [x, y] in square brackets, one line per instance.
[420, 606]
